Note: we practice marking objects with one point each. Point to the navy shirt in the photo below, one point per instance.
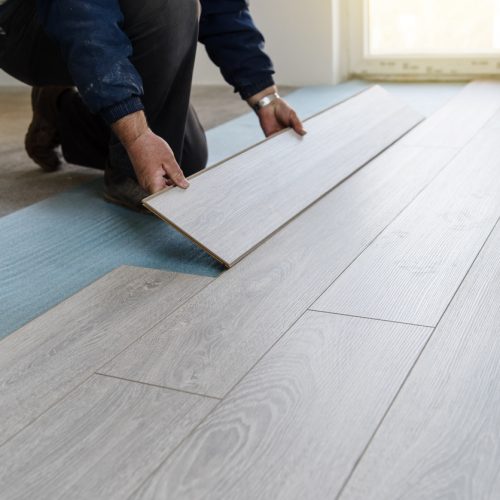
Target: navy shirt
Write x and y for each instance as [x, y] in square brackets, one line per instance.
[97, 51]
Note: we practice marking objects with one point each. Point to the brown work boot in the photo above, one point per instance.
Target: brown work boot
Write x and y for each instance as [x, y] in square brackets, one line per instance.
[42, 137]
[123, 190]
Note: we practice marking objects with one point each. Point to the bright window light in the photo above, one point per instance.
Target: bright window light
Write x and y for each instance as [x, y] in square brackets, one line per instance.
[433, 27]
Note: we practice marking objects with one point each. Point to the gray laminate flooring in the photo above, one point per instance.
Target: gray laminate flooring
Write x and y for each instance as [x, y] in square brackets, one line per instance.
[354, 355]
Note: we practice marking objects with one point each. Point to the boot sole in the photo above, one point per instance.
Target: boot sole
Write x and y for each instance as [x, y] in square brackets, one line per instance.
[116, 201]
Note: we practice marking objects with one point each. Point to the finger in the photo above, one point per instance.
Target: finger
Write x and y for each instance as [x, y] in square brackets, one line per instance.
[296, 124]
[155, 184]
[175, 174]
[271, 130]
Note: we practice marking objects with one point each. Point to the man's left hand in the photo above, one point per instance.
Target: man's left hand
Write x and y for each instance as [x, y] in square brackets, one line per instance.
[277, 115]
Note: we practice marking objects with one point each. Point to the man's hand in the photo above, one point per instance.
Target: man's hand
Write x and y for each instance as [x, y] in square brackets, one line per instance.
[153, 160]
[276, 116]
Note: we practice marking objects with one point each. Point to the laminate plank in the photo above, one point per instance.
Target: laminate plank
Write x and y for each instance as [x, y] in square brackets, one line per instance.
[494, 123]
[231, 208]
[51, 355]
[209, 343]
[461, 119]
[411, 272]
[441, 439]
[100, 442]
[296, 424]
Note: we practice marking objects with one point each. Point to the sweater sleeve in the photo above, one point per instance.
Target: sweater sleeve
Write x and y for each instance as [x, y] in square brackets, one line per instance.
[235, 45]
[96, 51]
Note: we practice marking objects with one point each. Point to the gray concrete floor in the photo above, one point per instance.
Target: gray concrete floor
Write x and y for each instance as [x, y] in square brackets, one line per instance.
[22, 183]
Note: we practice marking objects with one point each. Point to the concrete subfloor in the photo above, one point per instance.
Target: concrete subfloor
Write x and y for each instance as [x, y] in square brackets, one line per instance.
[22, 183]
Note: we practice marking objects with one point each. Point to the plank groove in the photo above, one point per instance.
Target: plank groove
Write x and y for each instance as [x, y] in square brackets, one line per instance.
[231, 208]
[51, 355]
[207, 345]
[100, 442]
[460, 120]
[411, 272]
[295, 425]
[441, 439]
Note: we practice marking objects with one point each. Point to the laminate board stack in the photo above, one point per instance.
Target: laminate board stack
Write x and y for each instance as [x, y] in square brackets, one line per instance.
[231, 208]
[440, 439]
[412, 270]
[53, 354]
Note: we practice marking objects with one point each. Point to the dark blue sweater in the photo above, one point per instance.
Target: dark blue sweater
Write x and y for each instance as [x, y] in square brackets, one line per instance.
[97, 51]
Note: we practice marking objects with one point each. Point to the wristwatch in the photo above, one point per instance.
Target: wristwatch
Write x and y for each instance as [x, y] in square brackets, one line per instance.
[265, 101]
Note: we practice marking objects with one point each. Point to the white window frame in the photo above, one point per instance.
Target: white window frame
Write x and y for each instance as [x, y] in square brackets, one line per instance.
[408, 67]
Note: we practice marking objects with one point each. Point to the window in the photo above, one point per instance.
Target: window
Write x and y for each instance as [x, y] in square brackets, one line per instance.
[426, 39]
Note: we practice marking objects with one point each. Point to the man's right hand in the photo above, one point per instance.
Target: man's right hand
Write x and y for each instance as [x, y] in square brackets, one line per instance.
[153, 160]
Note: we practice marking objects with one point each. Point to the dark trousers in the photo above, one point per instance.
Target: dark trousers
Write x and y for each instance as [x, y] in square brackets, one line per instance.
[164, 36]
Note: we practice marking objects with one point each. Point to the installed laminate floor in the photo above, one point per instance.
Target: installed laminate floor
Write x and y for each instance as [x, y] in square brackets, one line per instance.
[240, 388]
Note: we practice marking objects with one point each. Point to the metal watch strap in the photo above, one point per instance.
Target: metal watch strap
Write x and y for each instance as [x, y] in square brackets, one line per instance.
[265, 101]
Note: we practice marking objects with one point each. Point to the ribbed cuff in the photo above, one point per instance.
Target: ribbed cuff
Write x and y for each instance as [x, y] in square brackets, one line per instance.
[113, 113]
[249, 90]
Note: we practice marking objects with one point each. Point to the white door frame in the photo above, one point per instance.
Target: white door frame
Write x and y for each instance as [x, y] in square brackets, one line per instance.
[411, 67]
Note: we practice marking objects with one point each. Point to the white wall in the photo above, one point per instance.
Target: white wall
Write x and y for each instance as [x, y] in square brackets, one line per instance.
[300, 38]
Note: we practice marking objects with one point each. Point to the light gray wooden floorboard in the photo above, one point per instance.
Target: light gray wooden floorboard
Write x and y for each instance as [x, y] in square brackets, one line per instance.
[231, 208]
[494, 123]
[296, 424]
[49, 356]
[100, 442]
[216, 337]
[441, 438]
[460, 120]
[411, 272]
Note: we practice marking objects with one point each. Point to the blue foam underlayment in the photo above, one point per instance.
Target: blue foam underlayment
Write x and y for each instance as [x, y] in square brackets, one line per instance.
[54, 248]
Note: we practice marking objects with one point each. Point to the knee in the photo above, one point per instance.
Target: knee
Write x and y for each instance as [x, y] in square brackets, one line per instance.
[195, 156]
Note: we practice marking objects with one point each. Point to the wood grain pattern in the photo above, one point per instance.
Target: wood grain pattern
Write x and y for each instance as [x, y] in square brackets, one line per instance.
[100, 442]
[231, 208]
[207, 345]
[441, 439]
[48, 357]
[294, 427]
[411, 272]
[461, 119]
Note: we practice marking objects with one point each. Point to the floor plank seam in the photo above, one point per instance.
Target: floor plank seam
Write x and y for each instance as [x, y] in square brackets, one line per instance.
[221, 400]
[55, 403]
[155, 325]
[371, 242]
[370, 440]
[370, 318]
[59, 400]
[298, 214]
[153, 472]
[345, 483]
[157, 386]
[487, 239]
